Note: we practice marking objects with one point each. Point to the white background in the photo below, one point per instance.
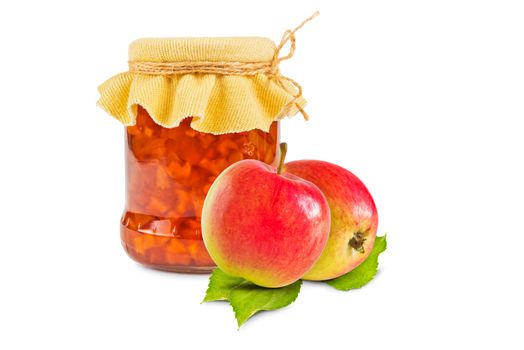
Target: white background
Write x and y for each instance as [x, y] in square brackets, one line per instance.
[423, 100]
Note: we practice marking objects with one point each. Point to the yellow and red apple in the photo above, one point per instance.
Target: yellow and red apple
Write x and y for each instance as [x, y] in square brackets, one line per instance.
[264, 225]
[354, 217]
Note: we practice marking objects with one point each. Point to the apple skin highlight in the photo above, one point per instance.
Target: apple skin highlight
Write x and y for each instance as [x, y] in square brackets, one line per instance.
[266, 227]
[352, 210]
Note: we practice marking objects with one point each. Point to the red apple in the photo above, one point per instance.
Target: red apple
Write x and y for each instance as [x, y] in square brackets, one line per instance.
[354, 217]
[264, 225]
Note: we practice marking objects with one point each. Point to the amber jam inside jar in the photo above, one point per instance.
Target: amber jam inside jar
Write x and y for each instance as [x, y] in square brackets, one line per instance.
[169, 171]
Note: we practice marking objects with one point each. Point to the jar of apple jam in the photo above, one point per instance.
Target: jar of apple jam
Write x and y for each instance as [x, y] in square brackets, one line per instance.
[191, 108]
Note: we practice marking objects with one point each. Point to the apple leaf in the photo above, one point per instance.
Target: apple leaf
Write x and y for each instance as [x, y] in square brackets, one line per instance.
[363, 273]
[247, 298]
[220, 285]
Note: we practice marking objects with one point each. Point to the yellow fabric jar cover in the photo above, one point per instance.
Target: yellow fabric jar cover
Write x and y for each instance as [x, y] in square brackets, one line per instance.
[218, 103]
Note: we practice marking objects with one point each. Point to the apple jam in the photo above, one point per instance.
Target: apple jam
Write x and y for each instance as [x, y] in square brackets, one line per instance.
[169, 172]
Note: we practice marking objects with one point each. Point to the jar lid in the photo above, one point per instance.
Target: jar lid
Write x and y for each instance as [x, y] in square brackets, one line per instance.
[226, 84]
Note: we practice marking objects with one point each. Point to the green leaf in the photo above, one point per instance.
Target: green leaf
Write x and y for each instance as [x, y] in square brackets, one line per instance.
[248, 299]
[363, 273]
[220, 285]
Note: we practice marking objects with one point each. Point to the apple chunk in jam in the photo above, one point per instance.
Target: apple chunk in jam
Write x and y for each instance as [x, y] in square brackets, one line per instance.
[169, 172]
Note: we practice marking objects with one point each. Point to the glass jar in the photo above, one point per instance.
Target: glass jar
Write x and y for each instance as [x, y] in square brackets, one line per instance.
[168, 174]
[191, 107]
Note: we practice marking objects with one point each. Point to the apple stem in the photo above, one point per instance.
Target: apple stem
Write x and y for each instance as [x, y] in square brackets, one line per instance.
[283, 151]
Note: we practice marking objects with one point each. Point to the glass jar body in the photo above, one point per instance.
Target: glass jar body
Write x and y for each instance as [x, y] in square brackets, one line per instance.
[168, 174]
